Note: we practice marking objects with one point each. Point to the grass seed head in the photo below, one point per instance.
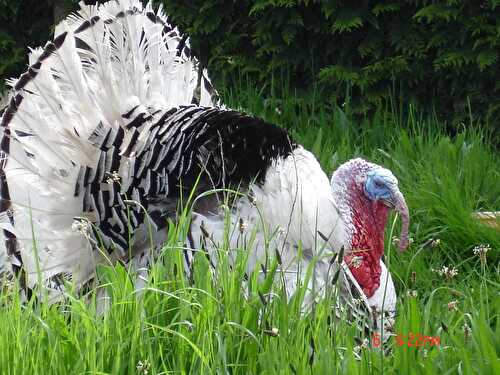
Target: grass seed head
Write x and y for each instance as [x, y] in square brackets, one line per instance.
[242, 225]
[467, 331]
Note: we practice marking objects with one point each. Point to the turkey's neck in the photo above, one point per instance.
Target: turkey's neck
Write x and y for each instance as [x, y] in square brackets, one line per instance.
[367, 242]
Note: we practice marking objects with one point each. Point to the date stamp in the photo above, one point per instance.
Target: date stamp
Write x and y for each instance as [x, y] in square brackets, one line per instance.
[411, 340]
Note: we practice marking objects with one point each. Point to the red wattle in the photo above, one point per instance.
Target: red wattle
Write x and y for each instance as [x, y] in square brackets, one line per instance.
[367, 244]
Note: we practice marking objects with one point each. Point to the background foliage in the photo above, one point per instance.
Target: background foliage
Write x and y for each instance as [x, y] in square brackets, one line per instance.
[22, 23]
[26, 24]
[441, 55]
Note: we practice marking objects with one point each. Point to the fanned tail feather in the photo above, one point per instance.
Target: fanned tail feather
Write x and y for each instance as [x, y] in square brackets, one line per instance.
[108, 69]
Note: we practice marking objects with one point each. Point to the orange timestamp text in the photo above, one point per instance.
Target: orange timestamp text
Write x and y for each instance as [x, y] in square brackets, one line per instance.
[411, 340]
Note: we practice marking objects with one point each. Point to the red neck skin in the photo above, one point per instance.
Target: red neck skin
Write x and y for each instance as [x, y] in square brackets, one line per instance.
[369, 219]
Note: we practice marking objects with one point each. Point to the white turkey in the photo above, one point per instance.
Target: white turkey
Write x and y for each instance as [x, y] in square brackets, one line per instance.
[114, 121]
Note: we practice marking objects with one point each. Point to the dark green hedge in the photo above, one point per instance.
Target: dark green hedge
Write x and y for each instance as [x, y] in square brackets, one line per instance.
[25, 24]
[442, 55]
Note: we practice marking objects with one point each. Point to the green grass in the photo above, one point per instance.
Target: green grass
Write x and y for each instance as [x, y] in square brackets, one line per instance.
[211, 326]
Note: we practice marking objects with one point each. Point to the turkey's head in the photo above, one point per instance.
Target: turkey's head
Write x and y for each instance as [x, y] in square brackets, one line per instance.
[365, 193]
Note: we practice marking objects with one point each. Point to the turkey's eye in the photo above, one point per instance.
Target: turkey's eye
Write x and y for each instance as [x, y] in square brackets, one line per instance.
[379, 184]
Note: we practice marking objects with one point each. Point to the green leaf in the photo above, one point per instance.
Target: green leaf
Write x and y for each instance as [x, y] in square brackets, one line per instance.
[435, 12]
[385, 8]
[486, 58]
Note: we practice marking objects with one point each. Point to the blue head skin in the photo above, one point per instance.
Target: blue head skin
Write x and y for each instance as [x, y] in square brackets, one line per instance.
[381, 185]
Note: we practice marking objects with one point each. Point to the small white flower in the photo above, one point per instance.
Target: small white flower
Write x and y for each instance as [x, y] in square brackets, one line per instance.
[274, 332]
[481, 251]
[435, 242]
[113, 177]
[356, 261]
[358, 301]
[143, 367]
[364, 345]
[395, 241]
[82, 226]
[412, 293]
[447, 272]
[452, 305]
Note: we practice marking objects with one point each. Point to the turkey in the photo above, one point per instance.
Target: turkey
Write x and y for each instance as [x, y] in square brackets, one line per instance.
[114, 121]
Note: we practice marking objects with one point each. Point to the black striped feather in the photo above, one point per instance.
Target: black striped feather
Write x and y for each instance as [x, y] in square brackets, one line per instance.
[175, 158]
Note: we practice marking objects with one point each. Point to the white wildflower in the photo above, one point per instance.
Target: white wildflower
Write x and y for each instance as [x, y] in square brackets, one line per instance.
[452, 305]
[82, 226]
[412, 293]
[358, 301]
[395, 241]
[280, 230]
[113, 177]
[435, 242]
[447, 272]
[356, 261]
[274, 332]
[481, 251]
[364, 345]
[143, 367]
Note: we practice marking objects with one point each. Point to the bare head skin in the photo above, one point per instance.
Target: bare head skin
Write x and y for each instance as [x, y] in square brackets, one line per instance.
[365, 193]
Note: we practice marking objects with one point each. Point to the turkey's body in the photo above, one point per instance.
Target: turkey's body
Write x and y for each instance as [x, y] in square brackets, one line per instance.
[112, 124]
[102, 141]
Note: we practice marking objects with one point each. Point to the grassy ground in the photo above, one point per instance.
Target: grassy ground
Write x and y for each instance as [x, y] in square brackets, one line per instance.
[212, 327]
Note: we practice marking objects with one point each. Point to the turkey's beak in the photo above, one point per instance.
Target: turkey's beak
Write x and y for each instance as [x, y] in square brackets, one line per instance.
[398, 202]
